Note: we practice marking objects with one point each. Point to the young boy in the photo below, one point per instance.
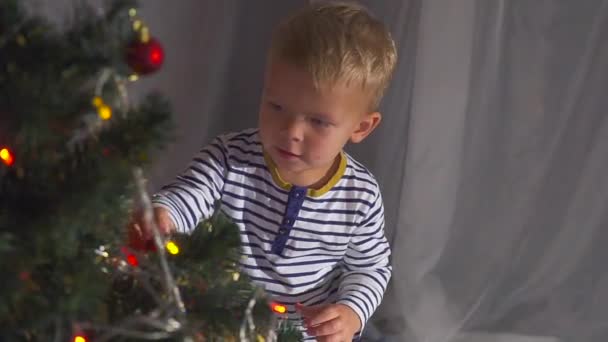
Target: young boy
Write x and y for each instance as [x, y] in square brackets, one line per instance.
[311, 217]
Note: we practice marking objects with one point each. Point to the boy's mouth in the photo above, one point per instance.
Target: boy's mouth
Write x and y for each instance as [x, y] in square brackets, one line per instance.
[286, 154]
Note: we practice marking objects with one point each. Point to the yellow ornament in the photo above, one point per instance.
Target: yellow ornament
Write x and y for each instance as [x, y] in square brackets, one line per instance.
[260, 338]
[172, 248]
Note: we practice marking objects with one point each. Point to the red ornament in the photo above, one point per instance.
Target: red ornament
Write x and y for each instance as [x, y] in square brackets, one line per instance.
[145, 56]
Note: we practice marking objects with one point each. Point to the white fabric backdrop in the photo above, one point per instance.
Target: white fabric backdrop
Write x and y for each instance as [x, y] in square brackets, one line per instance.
[492, 156]
[501, 227]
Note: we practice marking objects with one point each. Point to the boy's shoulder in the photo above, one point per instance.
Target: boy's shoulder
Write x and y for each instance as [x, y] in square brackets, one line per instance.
[245, 142]
[248, 136]
[241, 149]
[359, 177]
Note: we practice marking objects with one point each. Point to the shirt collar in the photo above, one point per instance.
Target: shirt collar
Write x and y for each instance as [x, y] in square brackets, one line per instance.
[272, 167]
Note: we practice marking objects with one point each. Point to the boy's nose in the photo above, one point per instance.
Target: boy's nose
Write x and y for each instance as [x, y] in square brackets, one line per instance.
[293, 128]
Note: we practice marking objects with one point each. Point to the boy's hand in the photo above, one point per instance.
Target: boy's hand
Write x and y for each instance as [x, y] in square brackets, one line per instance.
[140, 234]
[330, 322]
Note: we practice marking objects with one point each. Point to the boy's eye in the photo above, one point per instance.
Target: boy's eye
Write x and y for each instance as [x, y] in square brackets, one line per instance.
[275, 106]
[319, 122]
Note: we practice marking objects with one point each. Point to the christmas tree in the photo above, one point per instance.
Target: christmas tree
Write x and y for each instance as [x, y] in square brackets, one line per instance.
[72, 150]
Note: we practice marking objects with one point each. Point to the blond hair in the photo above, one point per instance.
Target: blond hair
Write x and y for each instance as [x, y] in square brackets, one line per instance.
[338, 42]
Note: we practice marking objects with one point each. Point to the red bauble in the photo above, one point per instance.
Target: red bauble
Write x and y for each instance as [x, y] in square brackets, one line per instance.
[145, 57]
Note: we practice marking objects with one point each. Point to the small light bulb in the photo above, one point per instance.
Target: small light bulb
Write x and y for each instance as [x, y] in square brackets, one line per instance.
[137, 24]
[132, 260]
[6, 156]
[172, 248]
[105, 112]
[279, 308]
[79, 338]
[97, 101]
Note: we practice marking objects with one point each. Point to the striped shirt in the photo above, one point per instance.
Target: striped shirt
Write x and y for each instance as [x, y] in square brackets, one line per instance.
[309, 246]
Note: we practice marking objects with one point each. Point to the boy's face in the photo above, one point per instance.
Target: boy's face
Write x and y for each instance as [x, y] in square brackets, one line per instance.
[304, 129]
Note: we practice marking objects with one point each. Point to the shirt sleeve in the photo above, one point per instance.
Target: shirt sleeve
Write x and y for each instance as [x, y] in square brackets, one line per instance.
[193, 193]
[366, 265]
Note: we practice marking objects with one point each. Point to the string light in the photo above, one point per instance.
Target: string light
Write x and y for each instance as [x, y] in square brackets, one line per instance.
[97, 101]
[132, 260]
[6, 156]
[80, 338]
[103, 110]
[129, 257]
[137, 24]
[172, 248]
[209, 227]
[101, 251]
[278, 308]
[236, 276]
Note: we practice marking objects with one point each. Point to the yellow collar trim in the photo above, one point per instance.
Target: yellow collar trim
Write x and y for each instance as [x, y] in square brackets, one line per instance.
[310, 192]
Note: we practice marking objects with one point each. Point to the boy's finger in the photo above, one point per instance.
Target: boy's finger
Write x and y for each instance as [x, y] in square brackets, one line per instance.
[330, 327]
[322, 315]
[135, 236]
[137, 229]
[163, 220]
[308, 311]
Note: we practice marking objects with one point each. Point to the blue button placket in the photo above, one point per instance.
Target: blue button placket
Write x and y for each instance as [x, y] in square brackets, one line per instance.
[294, 204]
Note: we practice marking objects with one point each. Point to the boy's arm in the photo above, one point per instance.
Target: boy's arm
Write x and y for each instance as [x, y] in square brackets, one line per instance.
[191, 196]
[367, 268]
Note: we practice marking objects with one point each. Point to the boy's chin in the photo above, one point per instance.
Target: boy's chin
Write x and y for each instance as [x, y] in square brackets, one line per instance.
[289, 167]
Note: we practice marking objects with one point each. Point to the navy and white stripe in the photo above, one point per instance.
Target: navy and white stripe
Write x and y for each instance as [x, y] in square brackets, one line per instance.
[302, 249]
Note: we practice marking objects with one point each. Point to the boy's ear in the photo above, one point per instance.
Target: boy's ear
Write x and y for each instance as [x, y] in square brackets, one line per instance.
[367, 125]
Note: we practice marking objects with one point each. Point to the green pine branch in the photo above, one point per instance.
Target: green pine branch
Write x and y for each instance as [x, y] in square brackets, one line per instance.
[64, 199]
